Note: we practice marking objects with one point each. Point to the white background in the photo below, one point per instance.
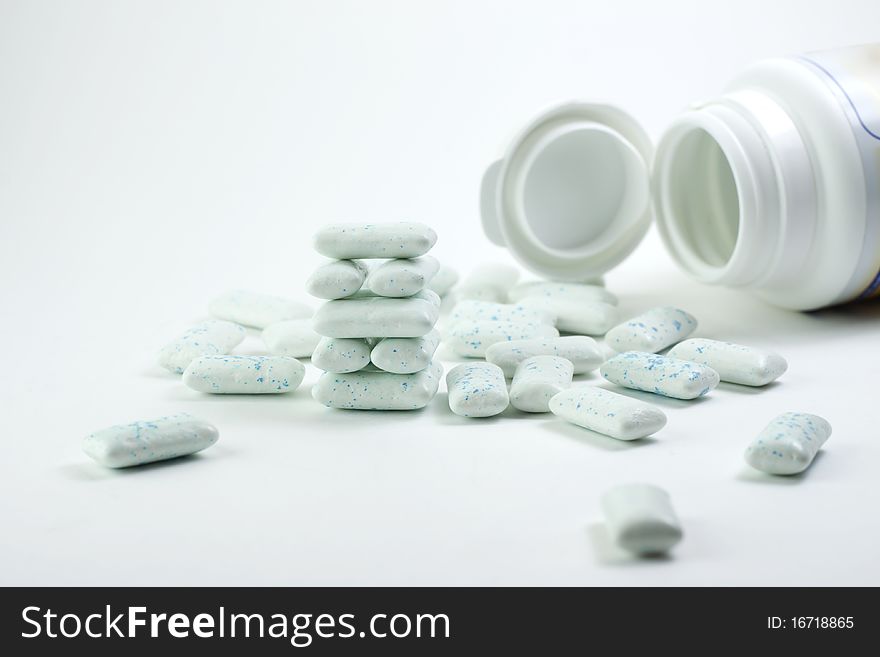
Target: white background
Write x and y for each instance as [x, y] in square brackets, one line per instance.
[154, 154]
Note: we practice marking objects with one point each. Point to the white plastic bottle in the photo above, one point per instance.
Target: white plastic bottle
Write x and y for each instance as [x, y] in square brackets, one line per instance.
[774, 186]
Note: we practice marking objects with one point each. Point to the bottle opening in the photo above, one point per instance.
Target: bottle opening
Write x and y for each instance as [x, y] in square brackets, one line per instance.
[701, 198]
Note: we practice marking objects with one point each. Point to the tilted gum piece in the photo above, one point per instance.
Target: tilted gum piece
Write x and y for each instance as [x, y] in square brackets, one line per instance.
[146, 441]
[402, 278]
[341, 355]
[496, 274]
[652, 331]
[256, 309]
[430, 296]
[208, 338]
[474, 310]
[489, 282]
[380, 391]
[477, 390]
[337, 279]
[244, 375]
[640, 519]
[735, 363]
[488, 293]
[292, 337]
[537, 380]
[662, 375]
[405, 355]
[473, 338]
[401, 239]
[788, 444]
[583, 352]
[576, 316]
[568, 291]
[443, 281]
[364, 317]
[608, 413]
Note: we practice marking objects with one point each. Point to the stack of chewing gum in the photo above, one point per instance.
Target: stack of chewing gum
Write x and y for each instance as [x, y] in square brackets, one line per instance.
[378, 344]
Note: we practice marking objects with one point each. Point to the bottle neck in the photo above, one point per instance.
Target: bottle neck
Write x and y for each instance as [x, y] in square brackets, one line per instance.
[729, 180]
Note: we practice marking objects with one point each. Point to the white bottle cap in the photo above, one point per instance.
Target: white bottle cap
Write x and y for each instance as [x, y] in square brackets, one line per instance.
[571, 197]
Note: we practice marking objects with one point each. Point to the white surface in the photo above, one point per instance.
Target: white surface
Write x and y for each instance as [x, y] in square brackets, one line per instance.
[153, 155]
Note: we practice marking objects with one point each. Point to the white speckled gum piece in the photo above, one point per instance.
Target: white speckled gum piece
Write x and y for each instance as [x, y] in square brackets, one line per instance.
[472, 339]
[735, 363]
[443, 281]
[537, 380]
[244, 375]
[379, 391]
[342, 355]
[788, 445]
[405, 355]
[652, 331]
[474, 310]
[488, 293]
[583, 352]
[401, 239]
[293, 337]
[576, 316]
[477, 390]
[608, 413]
[208, 338]
[363, 317]
[256, 309]
[430, 296]
[574, 292]
[496, 274]
[489, 282]
[640, 519]
[662, 375]
[337, 279]
[146, 441]
[402, 278]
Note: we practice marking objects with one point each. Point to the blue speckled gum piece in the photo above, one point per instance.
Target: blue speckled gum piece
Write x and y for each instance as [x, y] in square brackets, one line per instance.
[788, 444]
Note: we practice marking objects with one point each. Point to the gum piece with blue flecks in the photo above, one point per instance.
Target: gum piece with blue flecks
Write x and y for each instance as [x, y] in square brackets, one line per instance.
[378, 391]
[403, 277]
[400, 239]
[661, 375]
[256, 309]
[537, 380]
[583, 352]
[244, 375]
[573, 292]
[473, 338]
[405, 355]
[477, 390]
[488, 311]
[788, 445]
[341, 355]
[652, 331]
[208, 338]
[608, 413]
[146, 441]
[735, 363]
[337, 279]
